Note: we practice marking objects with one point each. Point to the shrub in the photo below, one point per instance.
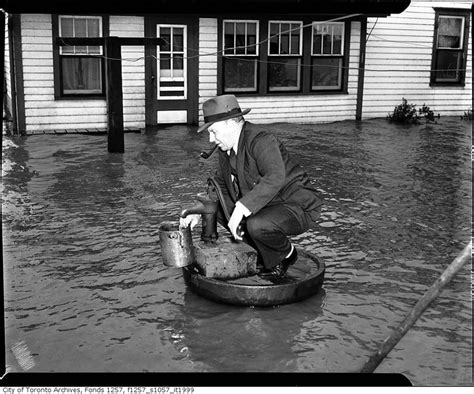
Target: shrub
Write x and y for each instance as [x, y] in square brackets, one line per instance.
[467, 115]
[407, 113]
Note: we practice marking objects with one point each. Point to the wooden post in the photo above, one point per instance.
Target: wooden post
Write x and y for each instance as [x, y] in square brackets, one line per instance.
[418, 309]
[113, 72]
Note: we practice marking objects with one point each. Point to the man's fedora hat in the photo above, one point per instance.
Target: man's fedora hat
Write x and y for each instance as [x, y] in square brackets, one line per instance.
[220, 108]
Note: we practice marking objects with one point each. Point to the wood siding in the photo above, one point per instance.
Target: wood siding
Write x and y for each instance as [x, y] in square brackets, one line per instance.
[43, 112]
[133, 69]
[398, 64]
[207, 61]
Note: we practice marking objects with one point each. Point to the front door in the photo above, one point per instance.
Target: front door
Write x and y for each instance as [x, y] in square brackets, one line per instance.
[171, 71]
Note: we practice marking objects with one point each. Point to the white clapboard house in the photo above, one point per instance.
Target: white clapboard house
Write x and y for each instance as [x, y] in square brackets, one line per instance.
[290, 61]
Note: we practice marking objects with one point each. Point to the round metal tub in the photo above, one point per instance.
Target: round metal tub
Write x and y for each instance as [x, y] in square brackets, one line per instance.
[303, 280]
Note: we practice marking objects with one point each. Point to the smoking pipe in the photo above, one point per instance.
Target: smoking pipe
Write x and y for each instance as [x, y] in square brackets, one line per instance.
[207, 155]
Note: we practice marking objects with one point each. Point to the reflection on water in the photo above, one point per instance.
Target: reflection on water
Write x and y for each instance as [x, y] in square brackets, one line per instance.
[86, 291]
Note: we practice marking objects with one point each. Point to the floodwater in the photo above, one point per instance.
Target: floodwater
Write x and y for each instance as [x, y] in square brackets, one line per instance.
[86, 289]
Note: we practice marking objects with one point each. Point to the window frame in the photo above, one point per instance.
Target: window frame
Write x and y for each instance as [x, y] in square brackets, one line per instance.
[57, 59]
[238, 55]
[454, 13]
[263, 58]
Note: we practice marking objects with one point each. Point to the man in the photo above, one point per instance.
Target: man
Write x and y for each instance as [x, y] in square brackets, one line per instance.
[261, 182]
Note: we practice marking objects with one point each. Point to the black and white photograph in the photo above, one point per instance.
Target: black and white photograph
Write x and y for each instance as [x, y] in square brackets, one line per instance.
[253, 193]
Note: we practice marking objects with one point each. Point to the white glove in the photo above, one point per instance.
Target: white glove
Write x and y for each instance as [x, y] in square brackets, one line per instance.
[192, 220]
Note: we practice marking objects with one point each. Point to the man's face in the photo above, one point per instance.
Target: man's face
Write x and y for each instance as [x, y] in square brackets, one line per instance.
[223, 133]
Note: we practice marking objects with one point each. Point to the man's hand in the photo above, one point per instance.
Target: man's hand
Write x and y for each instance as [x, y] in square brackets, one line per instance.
[192, 220]
[235, 219]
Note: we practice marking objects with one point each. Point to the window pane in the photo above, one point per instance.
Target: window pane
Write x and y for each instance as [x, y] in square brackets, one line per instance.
[317, 40]
[94, 50]
[229, 38]
[178, 62]
[240, 38]
[285, 39]
[80, 30]
[240, 75]
[165, 34]
[66, 27]
[337, 40]
[229, 28]
[80, 27]
[229, 44]
[274, 50]
[251, 29]
[449, 32]
[81, 75]
[283, 74]
[295, 39]
[447, 66]
[251, 45]
[327, 50]
[165, 62]
[178, 40]
[326, 73]
[93, 28]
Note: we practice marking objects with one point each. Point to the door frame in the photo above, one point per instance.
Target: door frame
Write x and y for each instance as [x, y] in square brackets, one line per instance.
[191, 104]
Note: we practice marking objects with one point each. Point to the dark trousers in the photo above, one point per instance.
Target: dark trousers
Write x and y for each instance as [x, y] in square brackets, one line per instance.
[268, 231]
[270, 228]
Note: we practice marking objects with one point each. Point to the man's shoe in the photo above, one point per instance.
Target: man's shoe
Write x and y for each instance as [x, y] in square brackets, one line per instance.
[279, 271]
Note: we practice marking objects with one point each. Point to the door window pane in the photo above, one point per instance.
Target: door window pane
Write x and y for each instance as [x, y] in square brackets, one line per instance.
[178, 40]
[178, 63]
[165, 61]
[165, 34]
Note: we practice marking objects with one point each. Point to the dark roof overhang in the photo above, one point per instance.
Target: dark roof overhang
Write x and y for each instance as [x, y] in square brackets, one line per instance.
[139, 7]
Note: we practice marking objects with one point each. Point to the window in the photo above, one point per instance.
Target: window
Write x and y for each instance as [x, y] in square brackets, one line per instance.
[278, 57]
[171, 64]
[450, 47]
[284, 56]
[327, 54]
[81, 67]
[240, 56]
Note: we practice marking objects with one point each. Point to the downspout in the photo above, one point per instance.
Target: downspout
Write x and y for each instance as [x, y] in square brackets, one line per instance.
[16, 65]
[11, 50]
[360, 79]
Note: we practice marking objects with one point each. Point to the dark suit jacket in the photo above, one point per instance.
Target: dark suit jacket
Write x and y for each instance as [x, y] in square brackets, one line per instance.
[267, 175]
